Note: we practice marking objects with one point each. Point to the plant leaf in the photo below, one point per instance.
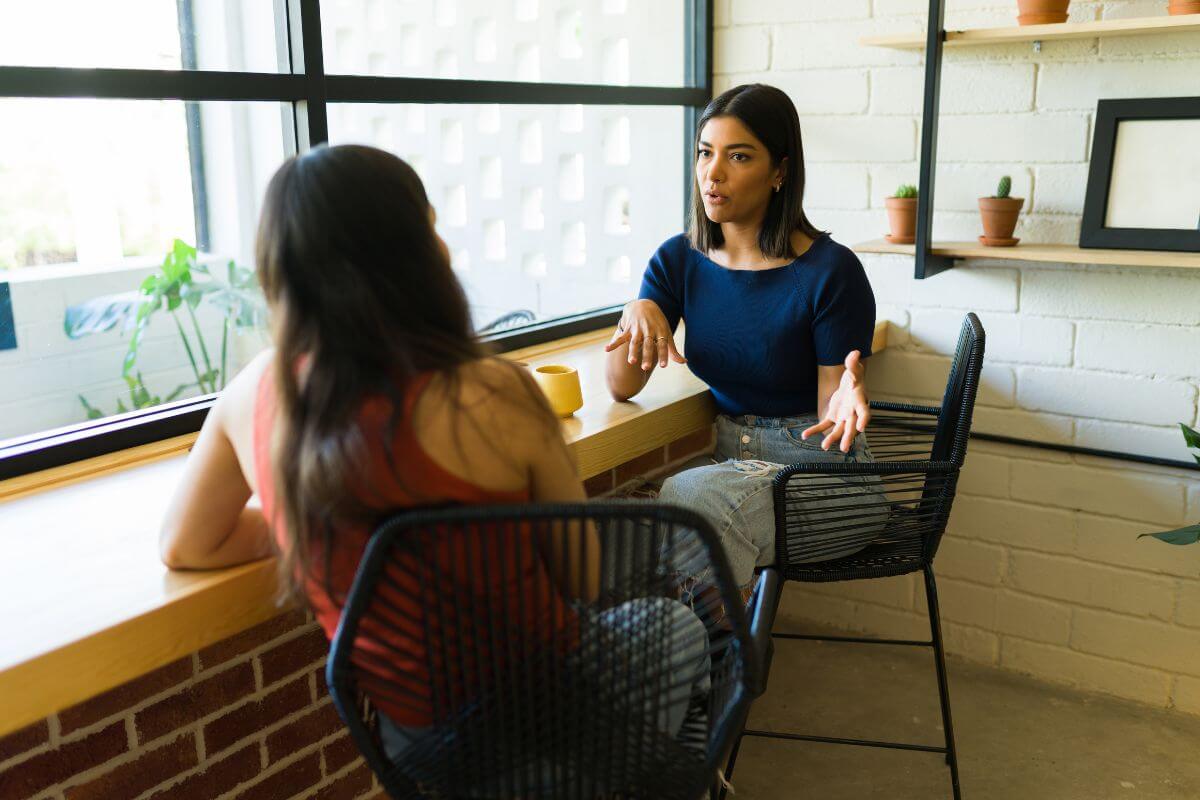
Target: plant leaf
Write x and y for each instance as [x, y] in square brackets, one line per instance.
[92, 411]
[100, 314]
[1188, 535]
[1190, 436]
[178, 391]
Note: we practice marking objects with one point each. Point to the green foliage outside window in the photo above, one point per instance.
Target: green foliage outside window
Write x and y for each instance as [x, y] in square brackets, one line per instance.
[177, 290]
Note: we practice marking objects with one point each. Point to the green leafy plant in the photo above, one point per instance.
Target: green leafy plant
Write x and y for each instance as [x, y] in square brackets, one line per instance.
[1004, 188]
[179, 287]
[906, 191]
[1191, 533]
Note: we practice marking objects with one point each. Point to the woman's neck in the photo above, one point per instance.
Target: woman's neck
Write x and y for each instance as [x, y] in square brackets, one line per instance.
[741, 243]
[740, 249]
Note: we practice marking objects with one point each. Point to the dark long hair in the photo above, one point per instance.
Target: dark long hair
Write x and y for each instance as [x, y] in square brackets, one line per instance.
[771, 117]
[363, 299]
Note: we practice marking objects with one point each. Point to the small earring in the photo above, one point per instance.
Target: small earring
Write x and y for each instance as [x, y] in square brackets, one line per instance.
[778, 186]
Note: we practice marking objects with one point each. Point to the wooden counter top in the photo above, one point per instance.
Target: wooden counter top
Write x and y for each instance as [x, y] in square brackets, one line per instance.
[89, 606]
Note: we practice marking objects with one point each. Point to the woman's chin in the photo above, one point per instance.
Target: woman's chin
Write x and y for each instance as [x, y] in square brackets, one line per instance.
[717, 214]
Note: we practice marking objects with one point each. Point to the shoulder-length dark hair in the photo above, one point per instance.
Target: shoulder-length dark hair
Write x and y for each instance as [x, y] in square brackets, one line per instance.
[363, 299]
[771, 117]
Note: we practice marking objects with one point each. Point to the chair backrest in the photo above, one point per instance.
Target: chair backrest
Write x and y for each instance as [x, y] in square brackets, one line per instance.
[900, 501]
[464, 628]
[953, 430]
[958, 402]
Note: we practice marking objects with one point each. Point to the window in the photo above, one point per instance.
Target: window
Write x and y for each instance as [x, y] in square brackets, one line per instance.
[138, 140]
[545, 208]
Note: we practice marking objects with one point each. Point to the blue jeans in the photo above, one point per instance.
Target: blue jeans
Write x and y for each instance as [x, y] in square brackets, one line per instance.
[683, 657]
[732, 489]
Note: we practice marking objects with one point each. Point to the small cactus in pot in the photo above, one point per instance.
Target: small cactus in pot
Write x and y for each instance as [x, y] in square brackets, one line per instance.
[999, 215]
[902, 215]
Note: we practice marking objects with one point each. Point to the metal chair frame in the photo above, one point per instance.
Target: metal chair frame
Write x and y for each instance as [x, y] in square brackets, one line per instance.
[921, 451]
[744, 641]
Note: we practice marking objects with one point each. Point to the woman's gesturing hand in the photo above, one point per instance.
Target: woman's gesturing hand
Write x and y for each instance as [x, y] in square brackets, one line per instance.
[848, 410]
[645, 328]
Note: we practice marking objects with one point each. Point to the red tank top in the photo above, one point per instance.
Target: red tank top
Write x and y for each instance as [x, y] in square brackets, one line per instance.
[411, 480]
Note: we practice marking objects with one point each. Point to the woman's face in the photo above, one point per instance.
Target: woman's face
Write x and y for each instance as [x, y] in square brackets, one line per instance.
[734, 173]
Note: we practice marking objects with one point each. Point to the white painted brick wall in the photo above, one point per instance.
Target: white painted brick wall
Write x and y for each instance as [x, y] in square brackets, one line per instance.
[744, 49]
[1106, 395]
[1040, 137]
[1152, 350]
[745, 11]
[1041, 570]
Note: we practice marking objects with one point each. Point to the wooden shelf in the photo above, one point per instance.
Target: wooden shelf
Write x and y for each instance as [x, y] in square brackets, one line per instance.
[1043, 33]
[1056, 253]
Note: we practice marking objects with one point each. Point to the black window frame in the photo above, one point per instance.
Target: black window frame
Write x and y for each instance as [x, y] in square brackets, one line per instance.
[309, 90]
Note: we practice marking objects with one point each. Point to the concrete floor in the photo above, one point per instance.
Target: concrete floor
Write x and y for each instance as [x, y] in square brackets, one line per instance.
[1017, 737]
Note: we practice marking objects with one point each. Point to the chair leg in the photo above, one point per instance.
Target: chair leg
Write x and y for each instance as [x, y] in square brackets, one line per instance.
[737, 745]
[935, 627]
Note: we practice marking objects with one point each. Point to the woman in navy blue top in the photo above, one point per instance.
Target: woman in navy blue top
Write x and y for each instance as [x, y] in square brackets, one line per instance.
[779, 320]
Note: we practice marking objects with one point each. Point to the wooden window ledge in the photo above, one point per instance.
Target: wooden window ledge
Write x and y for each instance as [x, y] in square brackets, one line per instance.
[90, 606]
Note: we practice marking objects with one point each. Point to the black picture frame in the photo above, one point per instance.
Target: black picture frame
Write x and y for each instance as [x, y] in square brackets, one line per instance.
[1109, 115]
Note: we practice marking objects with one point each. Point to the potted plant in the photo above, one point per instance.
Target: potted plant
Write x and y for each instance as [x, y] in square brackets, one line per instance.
[1183, 7]
[1041, 12]
[1190, 534]
[902, 215]
[999, 213]
[179, 287]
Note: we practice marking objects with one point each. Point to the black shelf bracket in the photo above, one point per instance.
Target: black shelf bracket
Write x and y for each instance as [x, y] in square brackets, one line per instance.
[926, 264]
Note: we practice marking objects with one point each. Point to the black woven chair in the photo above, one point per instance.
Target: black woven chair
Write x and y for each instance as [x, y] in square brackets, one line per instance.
[909, 488]
[544, 696]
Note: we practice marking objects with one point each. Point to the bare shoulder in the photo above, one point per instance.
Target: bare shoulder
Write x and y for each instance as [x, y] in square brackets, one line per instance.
[233, 412]
[484, 422]
[239, 394]
[494, 392]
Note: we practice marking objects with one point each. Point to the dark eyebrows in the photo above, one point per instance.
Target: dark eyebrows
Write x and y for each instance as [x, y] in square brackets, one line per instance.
[739, 145]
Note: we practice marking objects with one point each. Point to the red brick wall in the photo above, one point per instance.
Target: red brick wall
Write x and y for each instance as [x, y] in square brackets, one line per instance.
[248, 718]
[654, 462]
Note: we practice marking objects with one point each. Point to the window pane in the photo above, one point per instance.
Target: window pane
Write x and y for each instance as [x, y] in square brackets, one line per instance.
[140, 34]
[547, 210]
[617, 42]
[93, 193]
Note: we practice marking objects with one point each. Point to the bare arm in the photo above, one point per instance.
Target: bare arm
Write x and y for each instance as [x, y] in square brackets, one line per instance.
[209, 523]
[552, 478]
[624, 379]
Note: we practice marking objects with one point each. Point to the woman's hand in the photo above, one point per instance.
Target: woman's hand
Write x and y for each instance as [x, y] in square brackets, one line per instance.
[645, 328]
[847, 411]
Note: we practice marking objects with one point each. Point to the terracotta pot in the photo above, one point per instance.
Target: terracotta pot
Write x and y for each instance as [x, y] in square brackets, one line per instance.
[999, 216]
[1183, 7]
[902, 219]
[1042, 12]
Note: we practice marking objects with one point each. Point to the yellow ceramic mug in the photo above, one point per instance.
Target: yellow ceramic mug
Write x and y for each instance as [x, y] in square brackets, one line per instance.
[561, 385]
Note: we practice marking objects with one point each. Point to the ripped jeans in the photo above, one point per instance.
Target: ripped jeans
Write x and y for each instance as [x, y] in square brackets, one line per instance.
[732, 488]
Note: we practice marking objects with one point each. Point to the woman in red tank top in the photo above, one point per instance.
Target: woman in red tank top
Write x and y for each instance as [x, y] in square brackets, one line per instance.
[376, 397]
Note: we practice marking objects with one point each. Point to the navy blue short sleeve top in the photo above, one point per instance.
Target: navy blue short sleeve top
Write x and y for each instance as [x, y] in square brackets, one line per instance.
[756, 337]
